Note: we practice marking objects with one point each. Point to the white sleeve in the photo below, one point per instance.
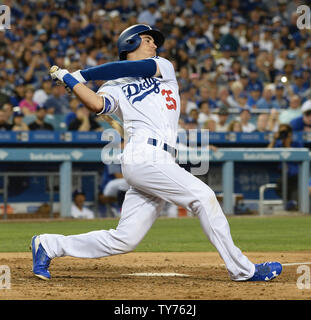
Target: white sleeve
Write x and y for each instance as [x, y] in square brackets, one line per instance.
[166, 68]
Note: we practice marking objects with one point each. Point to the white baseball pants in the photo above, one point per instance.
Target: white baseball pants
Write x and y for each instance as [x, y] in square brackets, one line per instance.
[154, 179]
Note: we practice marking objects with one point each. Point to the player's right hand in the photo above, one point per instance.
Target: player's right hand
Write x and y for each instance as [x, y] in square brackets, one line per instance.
[57, 74]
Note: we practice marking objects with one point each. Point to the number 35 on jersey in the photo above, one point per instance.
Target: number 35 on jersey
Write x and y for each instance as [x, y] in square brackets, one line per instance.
[171, 102]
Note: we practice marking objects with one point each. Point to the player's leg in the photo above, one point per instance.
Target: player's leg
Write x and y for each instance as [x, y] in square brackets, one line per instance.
[172, 183]
[139, 211]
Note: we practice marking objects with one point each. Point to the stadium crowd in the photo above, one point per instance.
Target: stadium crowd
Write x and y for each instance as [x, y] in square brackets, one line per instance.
[241, 65]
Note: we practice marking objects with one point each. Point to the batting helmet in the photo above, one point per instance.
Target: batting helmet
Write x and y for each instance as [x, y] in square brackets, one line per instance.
[129, 40]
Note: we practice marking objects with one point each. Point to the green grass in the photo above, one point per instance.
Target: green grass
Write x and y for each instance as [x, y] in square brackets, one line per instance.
[248, 233]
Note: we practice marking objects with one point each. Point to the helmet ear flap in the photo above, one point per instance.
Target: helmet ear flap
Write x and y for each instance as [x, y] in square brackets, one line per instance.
[132, 43]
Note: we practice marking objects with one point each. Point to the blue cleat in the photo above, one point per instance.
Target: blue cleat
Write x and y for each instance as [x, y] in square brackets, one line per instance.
[40, 259]
[266, 271]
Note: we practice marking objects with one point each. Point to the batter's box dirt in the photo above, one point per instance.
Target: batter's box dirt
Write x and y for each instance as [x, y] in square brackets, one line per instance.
[113, 278]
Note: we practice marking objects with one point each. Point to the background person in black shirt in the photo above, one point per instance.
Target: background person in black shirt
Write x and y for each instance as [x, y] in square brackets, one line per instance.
[39, 123]
[4, 125]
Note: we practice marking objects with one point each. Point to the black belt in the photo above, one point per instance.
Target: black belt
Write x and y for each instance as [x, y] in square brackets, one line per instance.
[172, 151]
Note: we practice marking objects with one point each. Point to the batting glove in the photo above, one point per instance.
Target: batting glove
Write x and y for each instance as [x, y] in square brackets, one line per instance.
[57, 75]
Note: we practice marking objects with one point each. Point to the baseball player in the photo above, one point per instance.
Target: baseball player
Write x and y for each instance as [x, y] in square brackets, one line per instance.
[142, 90]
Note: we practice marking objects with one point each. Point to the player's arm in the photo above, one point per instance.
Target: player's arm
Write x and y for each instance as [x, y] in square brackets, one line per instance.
[101, 103]
[119, 69]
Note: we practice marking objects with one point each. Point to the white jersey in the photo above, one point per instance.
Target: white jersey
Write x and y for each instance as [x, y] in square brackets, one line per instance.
[148, 107]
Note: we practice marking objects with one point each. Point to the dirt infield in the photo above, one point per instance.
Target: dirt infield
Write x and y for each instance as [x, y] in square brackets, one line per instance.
[108, 279]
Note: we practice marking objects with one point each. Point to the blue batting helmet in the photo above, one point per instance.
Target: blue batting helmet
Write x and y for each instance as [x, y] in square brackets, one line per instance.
[129, 40]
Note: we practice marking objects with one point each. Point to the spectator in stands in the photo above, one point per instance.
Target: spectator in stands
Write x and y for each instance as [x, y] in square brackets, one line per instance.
[219, 77]
[74, 104]
[243, 56]
[287, 72]
[78, 207]
[58, 100]
[223, 97]
[234, 126]
[191, 44]
[9, 85]
[39, 123]
[254, 96]
[27, 105]
[4, 97]
[244, 80]
[150, 15]
[185, 98]
[236, 89]
[254, 82]
[294, 110]
[18, 123]
[280, 60]
[4, 125]
[280, 100]
[273, 122]
[194, 114]
[229, 39]
[222, 121]
[242, 100]
[42, 94]
[193, 66]
[297, 85]
[183, 78]
[203, 93]
[266, 101]
[84, 121]
[190, 124]
[266, 42]
[303, 122]
[265, 67]
[245, 117]
[306, 80]
[213, 96]
[208, 65]
[8, 108]
[236, 70]
[205, 113]
[254, 44]
[283, 138]
[19, 92]
[262, 123]
[225, 59]
[210, 124]
[183, 109]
